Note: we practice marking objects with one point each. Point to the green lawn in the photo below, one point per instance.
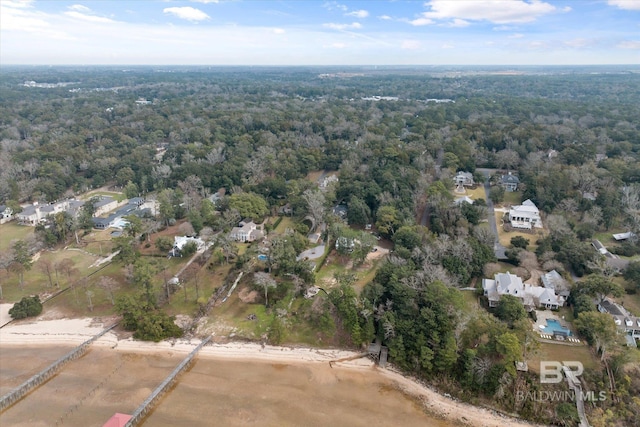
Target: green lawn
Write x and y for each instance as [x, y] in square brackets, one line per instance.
[505, 237]
[12, 231]
[512, 198]
[118, 196]
[631, 303]
[36, 280]
[560, 352]
[287, 222]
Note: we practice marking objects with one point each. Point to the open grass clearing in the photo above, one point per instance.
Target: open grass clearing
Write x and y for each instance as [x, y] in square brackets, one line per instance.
[36, 280]
[512, 198]
[287, 222]
[505, 236]
[116, 195]
[631, 303]
[13, 231]
[560, 352]
[474, 193]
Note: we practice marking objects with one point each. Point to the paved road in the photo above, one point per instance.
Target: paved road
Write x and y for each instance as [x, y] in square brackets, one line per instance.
[498, 249]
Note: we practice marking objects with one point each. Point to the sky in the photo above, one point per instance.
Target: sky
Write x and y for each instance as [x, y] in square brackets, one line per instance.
[308, 32]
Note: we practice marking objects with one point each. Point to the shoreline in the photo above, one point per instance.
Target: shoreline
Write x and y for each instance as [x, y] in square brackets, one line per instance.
[73, 332]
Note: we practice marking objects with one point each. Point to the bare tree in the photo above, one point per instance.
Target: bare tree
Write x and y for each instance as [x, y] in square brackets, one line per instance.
[315, 203]
[507, 159]
[109, 284]
[265, 281]
[46, 266]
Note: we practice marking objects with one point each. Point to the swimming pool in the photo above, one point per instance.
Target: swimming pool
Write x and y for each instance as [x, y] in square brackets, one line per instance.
[555, 326]
[262, 257]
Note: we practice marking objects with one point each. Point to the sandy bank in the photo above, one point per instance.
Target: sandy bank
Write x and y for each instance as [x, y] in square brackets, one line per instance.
[76, 331]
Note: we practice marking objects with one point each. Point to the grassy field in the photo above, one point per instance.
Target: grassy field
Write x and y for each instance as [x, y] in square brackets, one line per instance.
[560, 352]
[505, 237]
[12, 231]
[286, 222]
[116, 195]
[36, 280]
[512, 198]
[631, 303]
[476, 193]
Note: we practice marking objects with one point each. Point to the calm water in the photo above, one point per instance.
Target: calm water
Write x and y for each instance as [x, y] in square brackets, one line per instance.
[213, 392]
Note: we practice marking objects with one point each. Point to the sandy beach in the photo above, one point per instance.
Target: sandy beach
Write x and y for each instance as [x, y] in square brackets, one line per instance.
[71, 332]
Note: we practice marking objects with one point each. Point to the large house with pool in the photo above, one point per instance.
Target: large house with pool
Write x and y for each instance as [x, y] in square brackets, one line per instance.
[532, 297]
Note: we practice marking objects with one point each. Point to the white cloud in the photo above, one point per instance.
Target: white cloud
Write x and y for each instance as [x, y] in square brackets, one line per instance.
[516, 36]
[421, 21]
[410, 45]
[358, 13]
[78, 11]
[448, 46]
[458, 23]
[385, 17]
[338, 45]
[352, 26]
[625, 4]
[205, 1]
[278, 31]
[332, 5]
[577, 43]
[629, 44]
[18, 16]
[187, 12]
[505, 28]
[79, 8]
[498, 12]
[89, 18]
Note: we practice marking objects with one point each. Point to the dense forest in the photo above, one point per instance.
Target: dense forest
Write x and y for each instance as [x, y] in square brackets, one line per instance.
[180, 134]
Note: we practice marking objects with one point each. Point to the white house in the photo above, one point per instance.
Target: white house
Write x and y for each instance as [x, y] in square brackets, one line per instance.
[464, 179]
[246, 232]
[180, 241]
[6, 214]
[530, 296]
[326, 181]
[460, 200]
[35, 214]
[525, 216]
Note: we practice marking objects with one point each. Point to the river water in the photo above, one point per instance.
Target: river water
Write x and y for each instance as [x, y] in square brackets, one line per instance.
[212, 392]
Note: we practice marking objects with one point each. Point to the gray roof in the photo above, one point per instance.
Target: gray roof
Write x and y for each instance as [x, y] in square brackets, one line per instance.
[510, 179]
[104, 200]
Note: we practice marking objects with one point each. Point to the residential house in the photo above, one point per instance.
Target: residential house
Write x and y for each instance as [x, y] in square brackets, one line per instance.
[246, 232]
[104, 204]
[180, 241]
[530, 296]
[217, 196]
[326, 181]
[36, 214]
[624, 320]
[525, 216]
[554, 281]
[6, 214]
[509, 182]
[460, 200]
[614, 261]
[464, 179]
[116, 220]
